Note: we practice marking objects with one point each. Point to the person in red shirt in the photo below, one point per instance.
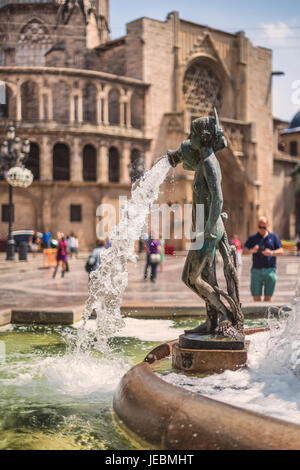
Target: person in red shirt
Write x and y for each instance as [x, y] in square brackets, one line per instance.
[61, 255]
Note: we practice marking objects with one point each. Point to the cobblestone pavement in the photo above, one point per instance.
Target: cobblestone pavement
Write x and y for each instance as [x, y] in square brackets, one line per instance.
[27, 285]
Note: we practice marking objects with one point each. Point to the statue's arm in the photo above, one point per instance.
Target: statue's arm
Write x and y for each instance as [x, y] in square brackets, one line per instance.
[186, 155]
[175, 157]
[213, 179]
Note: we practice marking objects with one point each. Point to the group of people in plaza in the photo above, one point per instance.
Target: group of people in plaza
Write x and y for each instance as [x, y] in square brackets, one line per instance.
[264, 246]
[41, 241]
[65, 246]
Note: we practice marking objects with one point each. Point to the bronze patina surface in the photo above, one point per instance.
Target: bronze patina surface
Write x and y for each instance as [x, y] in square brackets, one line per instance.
[224, 317]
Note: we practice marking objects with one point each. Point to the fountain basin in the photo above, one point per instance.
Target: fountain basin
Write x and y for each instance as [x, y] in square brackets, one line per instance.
[170, 417]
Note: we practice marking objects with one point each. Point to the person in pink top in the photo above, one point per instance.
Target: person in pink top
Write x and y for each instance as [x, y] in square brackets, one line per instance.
[61, 255]
[238, 254]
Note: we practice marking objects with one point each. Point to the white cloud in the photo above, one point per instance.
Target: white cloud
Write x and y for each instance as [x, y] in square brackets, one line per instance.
[277, 33]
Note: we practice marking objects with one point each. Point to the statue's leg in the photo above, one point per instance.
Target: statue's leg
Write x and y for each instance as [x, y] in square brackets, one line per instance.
[188, 275]
[196, 273]
[232, 283]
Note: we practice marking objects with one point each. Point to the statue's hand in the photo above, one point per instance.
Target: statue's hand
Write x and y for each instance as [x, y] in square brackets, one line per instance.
[174, 157]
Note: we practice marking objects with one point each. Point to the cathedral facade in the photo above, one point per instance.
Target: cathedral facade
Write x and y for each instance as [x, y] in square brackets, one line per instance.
[95, 110]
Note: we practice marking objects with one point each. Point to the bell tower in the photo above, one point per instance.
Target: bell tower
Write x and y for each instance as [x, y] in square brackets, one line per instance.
[92, 15]
[102, 14]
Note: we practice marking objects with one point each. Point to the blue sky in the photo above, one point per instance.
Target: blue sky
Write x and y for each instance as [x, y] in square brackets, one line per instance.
[270, 23]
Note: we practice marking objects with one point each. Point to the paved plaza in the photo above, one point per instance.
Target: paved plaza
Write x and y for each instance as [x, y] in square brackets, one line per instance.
[27, 285]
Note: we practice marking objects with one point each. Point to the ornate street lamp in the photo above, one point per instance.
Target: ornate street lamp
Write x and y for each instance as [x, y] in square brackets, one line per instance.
[13, 156]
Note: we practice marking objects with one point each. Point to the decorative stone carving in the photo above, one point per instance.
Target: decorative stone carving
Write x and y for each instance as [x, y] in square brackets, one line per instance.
[202, 89]
[34, 41]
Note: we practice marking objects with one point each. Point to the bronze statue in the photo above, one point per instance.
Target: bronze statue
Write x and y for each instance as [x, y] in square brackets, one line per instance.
[199, 274]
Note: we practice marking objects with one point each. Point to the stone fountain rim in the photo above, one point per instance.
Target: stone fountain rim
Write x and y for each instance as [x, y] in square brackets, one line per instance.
[169, 417]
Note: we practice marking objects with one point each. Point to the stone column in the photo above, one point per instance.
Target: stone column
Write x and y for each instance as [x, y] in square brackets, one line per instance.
[41, 103]
[98, 107]
[76, 161]
[80, 107]
[46, 160]
[102, 163]
[105, 103]
[72, 108]
[46, 212]
[50, 105]
[128, 109]
[18, 104]
[125, 160]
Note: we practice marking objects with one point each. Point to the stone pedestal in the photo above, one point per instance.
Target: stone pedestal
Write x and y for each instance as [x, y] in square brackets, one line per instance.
[209, 354]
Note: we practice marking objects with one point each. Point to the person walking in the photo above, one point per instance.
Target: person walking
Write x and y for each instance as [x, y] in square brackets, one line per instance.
[238, 254]
[73, 245]
[264, 246]
[47, 236]
[152, 250]
[61, 255]
[94, 260]
[162, 253]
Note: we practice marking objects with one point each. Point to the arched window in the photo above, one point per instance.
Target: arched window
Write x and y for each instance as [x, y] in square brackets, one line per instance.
[137, 110]
[294, 148]
[61, 162]
[136, 165]
[33, 42]
[8, 108]
[33, 162]
[202, 89]
[114, 106]
[89, 163]
[30, 101]
[61, 102]
[90, 103]
[114, 165]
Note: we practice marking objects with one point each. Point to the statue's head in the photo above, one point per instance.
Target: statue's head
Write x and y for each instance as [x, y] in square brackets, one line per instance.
[206, 131]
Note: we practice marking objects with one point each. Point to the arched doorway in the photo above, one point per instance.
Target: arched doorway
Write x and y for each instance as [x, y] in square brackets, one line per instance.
[89, 163]
[61, 162]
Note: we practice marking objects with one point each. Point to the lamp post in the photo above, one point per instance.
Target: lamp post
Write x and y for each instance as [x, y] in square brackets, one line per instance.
[13, 156]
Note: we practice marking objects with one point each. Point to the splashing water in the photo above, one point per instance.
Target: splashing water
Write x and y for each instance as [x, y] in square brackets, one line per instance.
[108, 283]
[284, 339]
